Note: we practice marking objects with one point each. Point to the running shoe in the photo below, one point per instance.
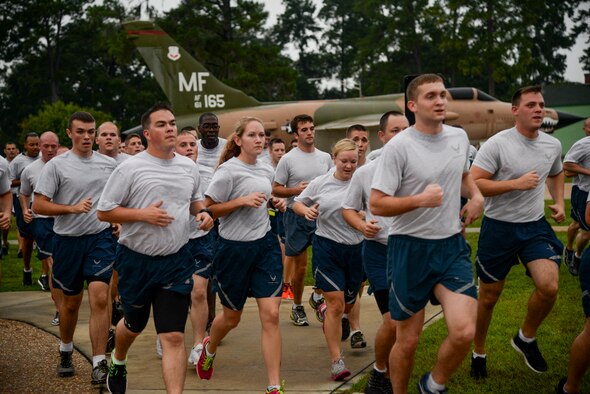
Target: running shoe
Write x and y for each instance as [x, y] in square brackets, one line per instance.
[100, 372]
[111, 341]
[158, 347]
[291, 295]
[531, 353]
[5, 250]
[568, 256]
[378, 383]
[280, 390]
[117, 379]
[43, 281]
[27, 278]
[55, 321]
[298, 316]
[285, 295]
[560, 388]
[339, 371]
[315, 305]
[423, 387]
[345, 328]
[205, 363]
[478, 368]
[357, 340]
[195, 355]
[65, 368]
[574, 265]
[117, 312]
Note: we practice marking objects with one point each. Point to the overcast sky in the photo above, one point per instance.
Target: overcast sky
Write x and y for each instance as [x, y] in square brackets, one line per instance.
[574, 72]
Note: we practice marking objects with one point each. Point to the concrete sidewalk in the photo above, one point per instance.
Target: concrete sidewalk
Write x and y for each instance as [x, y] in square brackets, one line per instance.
[239, 366]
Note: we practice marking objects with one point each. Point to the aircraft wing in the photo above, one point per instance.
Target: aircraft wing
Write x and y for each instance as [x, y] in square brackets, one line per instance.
[370, 121]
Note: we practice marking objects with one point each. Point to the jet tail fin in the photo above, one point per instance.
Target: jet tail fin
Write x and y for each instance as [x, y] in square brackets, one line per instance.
[189, 86]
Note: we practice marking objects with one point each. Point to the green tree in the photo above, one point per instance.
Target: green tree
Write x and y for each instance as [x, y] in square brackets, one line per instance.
[54, 117]
[298, 26]
[231, 41]
[582, 27]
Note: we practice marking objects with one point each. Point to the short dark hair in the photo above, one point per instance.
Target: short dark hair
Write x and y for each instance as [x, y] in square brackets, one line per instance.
[84, 117]
[31, 134]
[355, 127]
[10, 143]
[421, 80]
[527, 89]
[299, 119]
[385, 118]
[275, 141]
[204, 115]
[188, 128]
[145, 118]
[132, 135]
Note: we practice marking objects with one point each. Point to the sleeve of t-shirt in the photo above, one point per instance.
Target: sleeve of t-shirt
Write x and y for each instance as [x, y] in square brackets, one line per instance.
[309, 195]
[25, 183]
[197, 194]
[354, 194]
[48, 180]
[116, 190]
[11, 170]
[4, 178]
[557, 166]
[486, 158]
[282, 172]
[221, 185]
[388, 173]
[576, 154]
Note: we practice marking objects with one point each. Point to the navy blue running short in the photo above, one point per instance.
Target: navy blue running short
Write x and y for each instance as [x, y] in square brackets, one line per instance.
[299, 233]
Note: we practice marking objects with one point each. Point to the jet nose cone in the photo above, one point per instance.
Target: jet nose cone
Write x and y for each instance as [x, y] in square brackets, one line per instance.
[566, 119]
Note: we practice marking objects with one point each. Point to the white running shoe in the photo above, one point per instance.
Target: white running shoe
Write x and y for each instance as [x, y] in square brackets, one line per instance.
[195, 354]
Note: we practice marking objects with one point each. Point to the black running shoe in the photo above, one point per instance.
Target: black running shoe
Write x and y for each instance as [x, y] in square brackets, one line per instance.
[100, 372]
[5, 250]
[574, 265]
[117, 379]
[111, 341]
[357, 340]
[378, 383]
[532, 355]
[65, 368]
[298, 316]
[345, 328]
[560, 388]
[27, 278]
[43, 281]
[478, 368]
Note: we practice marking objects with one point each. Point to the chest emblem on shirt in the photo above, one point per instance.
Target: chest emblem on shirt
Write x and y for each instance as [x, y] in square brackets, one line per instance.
[455, 148]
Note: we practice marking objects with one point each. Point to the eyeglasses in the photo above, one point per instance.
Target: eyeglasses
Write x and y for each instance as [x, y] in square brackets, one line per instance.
[210, 126]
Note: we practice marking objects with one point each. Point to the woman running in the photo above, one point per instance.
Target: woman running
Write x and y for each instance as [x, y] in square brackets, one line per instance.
[247, 260]
[336, 261]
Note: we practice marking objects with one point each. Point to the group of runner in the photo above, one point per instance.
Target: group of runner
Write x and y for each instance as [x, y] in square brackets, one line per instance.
[241, 222]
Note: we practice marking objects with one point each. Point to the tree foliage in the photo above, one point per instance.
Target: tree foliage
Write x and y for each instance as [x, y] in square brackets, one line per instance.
[54, 117]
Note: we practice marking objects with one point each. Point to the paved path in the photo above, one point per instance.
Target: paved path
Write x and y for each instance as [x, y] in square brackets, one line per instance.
[238, 366]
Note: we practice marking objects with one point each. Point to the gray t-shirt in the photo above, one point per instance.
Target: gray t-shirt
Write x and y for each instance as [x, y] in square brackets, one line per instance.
[298, 166]
[374, 154]
[4, 177]
[234, 179]
[329, 193]
[28, 180]
[509, 155]
[416, 160]
[16, 167]
[67, 179]
[579, 154]
[357, 198]
[143, 180]
[207, 160]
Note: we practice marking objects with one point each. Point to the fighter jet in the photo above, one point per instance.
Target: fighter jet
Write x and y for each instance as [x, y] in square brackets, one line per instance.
[192, 90]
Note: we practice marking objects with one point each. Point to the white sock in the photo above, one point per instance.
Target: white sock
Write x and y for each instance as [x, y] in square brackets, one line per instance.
[207, 351]
[271, 388]
[345, 315]
[97, 359]
[66, 347]
[432, 385]
[316, 296]
[525, 339]
[28, 270]
[296, 305]
[117, 362]
[479, 355]
[354, 331]
[379, 370]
